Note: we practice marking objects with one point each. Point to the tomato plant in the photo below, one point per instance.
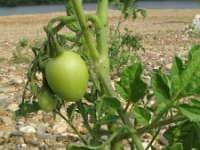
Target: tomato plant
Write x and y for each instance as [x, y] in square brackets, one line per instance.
[65, 59]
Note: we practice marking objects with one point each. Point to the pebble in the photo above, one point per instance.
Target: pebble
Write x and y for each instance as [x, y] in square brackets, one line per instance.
[1, 134]
[17, 133]
[3, 97]
[7, 134]
[147, 80]
[47, 136]
[6, 120]
[12, 107]
[168, 66]
[60, 127]
[32, 140]
[41, 128]
[7, 89]
[23, 145]
[28, 129]
[15, 79]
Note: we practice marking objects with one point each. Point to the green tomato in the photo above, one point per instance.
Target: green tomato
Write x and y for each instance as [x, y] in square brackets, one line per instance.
[46, 101]
[67, 76]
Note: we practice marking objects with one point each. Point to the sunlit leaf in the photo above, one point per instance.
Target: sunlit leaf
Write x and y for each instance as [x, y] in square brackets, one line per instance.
[160, 86]
[131, 86]
[191, 112]
[142, 115]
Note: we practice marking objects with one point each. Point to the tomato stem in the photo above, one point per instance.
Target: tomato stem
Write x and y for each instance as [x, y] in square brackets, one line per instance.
[100, 57]
[85, 141]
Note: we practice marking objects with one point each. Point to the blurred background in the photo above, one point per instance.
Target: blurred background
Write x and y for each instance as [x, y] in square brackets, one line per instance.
[14, 7]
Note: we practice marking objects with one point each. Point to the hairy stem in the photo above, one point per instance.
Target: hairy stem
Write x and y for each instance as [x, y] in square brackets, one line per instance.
[99, 59]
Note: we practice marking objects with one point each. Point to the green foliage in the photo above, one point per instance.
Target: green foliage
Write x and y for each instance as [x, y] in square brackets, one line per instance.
[23, 42]
[192, 32]
[108, 115]
[20, 55]
[187, 133]
[124, 45]
[191, 110]
[177, 146]
[131, 87]
[142, 115]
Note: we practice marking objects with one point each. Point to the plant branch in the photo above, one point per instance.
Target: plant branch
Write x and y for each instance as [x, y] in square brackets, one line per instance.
[152, 140]
[71, 125]
[99, 61]
[160, 124]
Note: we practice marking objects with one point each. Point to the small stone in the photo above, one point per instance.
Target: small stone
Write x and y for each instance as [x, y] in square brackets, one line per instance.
[6, 120]
[168, 66]
[17, 133]
[23, 145]
[14, 79]
[60, 127]
[31, 139]
[147, 80]
[46, 118]
[28, 129]
[7, 89]
[41, 128]
[7, 135]
[3, 97]
[35, 148]
[12, 107]
[104, 137]
[47, 136]
[38, 76]
[1, 134]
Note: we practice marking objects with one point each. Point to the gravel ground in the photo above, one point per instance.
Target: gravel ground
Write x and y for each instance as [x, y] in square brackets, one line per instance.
[163, 37]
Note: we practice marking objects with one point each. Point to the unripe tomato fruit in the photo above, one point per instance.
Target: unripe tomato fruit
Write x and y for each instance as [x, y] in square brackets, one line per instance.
[67, 76]
[46, 101]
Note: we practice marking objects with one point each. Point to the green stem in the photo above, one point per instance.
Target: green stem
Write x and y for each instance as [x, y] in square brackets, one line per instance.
[152, 140]
[99, 63]
[142, 130]
[162, 112]
[101, 32]
[160, 124]
[75, 130]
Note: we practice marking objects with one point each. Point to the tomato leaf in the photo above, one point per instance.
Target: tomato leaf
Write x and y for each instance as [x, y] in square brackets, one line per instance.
[194, 102]
[111, 102]
[71, 110]
[142, 115]
[187, 133]
[189, 81]
[107, 105]
[191, 112]
[108, 119]
[177, 146]
[91, 111]
[159, 106]
[177, 66]
[25, 109]
[131, 86]
[160, 85]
